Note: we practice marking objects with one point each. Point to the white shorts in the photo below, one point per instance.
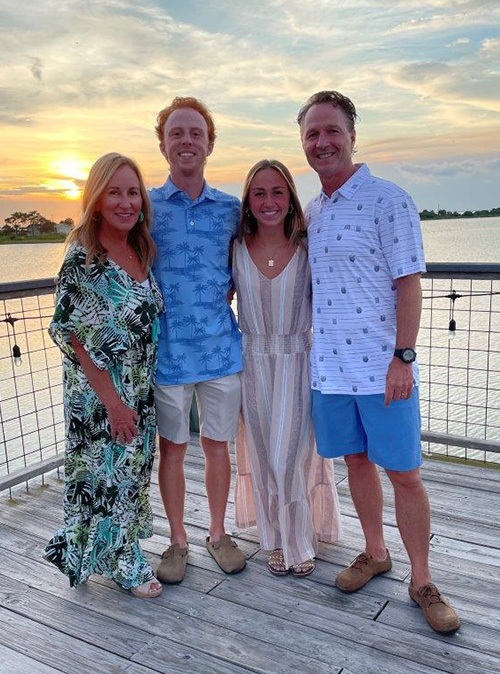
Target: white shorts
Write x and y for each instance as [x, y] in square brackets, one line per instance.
[219, 403]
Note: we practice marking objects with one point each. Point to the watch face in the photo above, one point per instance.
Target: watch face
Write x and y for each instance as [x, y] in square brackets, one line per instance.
[408, 355]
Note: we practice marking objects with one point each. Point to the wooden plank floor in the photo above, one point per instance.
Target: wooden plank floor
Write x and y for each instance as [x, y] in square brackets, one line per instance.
[254, 622]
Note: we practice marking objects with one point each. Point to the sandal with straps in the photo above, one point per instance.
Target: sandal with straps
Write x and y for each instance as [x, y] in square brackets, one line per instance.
[276, 563]
[148, 590]
[303, 569]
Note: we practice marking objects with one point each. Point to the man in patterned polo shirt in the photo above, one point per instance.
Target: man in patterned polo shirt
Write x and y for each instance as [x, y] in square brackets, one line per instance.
[366, 256]
[199, 347]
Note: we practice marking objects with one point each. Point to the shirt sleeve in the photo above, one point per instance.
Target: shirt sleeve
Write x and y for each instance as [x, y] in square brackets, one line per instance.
[401, 236]
[99, 310]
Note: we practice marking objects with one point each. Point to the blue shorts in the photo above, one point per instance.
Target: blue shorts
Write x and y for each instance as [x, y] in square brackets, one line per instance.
[349, 424]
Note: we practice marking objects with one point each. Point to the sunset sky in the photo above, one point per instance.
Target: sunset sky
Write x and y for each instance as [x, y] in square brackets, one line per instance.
[82, 78]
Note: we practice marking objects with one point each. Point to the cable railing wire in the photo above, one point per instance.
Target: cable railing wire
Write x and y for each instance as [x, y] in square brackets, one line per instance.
[459, 371]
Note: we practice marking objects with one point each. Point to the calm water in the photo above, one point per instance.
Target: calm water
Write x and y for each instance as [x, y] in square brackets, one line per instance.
[469, 240]
[30, 261]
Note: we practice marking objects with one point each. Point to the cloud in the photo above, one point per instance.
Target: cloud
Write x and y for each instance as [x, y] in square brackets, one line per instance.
[481, 145]
[459, 42]
[474, 85]
[36, 68]
[28, 190]
[436, 172]
[490, 48]
[7, 119]
[84, 78]
[461, 14]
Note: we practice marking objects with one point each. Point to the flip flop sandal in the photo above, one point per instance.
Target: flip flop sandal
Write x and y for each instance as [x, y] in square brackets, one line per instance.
[148, 590]
[303, 569]
[276, 563]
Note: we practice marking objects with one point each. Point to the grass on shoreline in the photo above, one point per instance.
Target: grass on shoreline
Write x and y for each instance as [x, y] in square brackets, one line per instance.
[46, 238]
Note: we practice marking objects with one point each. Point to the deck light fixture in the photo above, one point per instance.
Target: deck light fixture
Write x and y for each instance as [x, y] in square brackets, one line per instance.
[452, 326]
[16, 351]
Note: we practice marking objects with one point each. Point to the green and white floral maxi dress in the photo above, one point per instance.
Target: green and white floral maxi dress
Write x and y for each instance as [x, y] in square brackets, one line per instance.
[106, 495]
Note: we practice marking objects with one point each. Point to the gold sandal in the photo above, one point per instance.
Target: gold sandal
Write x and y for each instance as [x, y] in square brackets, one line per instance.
[276, 563]
[303, 569]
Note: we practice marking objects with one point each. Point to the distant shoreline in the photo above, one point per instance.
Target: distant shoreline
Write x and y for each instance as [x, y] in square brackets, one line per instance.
[454, 215]
[50, 238]
[425, 216]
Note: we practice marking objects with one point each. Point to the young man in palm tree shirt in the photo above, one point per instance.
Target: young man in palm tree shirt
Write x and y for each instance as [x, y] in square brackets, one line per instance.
[199, 346]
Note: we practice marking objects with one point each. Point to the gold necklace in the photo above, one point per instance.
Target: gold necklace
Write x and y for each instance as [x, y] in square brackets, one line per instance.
[271, 258]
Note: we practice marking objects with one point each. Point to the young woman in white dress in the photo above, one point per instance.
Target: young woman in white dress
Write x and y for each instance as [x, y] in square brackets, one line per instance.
[282, 485]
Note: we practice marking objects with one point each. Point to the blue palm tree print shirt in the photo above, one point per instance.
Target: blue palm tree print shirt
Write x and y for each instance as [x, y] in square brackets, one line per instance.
[199, 337]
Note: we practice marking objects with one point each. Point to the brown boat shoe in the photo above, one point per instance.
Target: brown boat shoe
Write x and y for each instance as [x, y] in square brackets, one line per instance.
[172, 567]
[227, 554]
[437, 611]
[361, 570]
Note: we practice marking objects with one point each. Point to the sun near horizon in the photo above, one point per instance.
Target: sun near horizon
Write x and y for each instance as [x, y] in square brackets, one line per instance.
[67, 175]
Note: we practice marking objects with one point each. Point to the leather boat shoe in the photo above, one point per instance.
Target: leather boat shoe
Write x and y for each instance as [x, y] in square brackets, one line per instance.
[437, 611]
[361, 570]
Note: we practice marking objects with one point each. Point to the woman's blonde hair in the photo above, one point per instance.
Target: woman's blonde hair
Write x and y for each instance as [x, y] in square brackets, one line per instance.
[294, 225]
[86, 232]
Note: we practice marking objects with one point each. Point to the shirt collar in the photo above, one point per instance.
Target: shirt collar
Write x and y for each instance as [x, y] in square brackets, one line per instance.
[351, 186]
[170, 189]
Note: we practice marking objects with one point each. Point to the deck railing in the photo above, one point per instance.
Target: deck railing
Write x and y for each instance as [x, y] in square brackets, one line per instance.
[459, 356]
[459, 376]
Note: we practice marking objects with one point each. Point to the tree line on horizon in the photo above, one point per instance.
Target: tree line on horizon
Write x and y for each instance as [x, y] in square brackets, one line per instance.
[443, 214]
[20, 224]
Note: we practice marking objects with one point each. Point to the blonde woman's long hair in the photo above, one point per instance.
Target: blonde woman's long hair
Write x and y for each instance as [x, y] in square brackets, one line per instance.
[86, 232]
[294, 226]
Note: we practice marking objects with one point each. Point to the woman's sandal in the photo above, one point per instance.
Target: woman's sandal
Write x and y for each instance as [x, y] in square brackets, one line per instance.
[148, 590]
[303, 569]
[276, 563]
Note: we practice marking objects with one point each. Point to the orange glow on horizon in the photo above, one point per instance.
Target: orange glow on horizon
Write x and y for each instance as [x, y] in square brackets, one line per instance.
[68, 175]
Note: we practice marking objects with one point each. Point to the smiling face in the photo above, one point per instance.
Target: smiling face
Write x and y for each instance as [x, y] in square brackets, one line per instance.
[185, 144]
[121, 201]
[328, 142]
[269, 198]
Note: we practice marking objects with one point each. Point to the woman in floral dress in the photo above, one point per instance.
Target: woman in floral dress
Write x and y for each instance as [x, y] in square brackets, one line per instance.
[106, 324]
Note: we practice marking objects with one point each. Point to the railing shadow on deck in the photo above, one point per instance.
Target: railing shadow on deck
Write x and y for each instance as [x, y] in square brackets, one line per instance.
[459, 371]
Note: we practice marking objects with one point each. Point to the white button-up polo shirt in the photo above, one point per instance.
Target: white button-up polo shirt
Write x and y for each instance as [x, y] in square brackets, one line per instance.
[362, 238]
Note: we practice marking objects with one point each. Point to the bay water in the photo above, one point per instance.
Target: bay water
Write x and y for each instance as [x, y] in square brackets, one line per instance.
[457, 240]
[474, 240]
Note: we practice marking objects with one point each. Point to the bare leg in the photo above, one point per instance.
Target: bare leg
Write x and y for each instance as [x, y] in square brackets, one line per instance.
[173, 487]
[217, 482]
[366, 493]
[414, 521]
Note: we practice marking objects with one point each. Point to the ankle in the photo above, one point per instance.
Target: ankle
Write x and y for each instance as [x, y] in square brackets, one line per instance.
[215, 535]
[379, 554]
[418, 580]
[181, 541]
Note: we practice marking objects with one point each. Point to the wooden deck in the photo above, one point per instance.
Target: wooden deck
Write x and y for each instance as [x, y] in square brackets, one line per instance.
[254, 622]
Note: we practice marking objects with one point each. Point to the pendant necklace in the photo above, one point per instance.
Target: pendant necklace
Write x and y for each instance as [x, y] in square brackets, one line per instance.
[272, 256]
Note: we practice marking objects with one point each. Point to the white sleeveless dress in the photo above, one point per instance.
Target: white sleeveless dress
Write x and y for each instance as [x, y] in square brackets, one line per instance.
[283, 486]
